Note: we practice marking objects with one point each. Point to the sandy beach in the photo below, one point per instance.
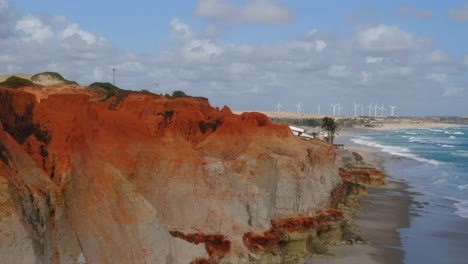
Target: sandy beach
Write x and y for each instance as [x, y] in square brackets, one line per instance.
[401, 220]
[381, 214]
[408, 124]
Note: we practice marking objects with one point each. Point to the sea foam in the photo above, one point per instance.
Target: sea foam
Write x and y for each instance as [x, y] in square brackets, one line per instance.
[461, 206]
[394, 150]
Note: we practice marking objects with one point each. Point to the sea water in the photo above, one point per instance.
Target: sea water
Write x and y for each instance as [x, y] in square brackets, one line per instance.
[434, 162]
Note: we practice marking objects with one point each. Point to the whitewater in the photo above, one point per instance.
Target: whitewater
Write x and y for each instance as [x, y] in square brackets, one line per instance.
[440, 155]
[433, 162]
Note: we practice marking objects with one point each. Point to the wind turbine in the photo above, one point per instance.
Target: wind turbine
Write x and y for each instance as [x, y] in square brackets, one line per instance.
[278, 106]
[382, 109]
[299, 107]
[370, 109]
[376, 107]
[362, 110]
[355, 108]
[392, 110]
[339, 109]
[319, 109]
[334, 108]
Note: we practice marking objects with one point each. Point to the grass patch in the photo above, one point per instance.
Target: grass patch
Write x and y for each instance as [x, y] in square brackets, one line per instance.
[110, 89]
[106, 86]
[16, 82]
[181, 94]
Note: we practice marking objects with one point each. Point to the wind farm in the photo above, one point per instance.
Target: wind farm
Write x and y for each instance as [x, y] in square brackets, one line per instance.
[375, 110]
[370, 115]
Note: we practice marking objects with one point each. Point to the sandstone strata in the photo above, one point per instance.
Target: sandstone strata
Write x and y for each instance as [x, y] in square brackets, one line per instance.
[142, 178]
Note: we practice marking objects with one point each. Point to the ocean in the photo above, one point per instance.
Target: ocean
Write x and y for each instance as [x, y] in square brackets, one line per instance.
[434, 163]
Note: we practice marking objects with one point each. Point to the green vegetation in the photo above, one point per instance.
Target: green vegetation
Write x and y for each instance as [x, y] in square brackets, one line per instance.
[181, 94]
[145, 91]
[106, 86]
[111, 89]
[178, 94]
[311, 122]
[56, 75]
[16, 82]
[329, 125]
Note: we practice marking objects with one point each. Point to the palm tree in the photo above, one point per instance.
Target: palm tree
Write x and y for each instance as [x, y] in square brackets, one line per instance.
[329, 125]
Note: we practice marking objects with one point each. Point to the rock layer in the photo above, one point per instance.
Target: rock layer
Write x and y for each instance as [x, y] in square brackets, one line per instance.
[142, 178]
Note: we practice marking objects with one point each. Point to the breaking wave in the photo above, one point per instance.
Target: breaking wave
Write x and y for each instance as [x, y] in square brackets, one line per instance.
[394, 150]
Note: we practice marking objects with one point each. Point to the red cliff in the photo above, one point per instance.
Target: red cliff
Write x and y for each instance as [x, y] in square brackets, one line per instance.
[142, 178]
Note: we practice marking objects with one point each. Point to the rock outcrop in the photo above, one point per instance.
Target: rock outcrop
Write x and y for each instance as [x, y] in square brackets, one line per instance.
[142, 178]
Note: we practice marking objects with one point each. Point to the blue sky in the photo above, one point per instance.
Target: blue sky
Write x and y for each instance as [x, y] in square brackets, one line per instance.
[251, 54]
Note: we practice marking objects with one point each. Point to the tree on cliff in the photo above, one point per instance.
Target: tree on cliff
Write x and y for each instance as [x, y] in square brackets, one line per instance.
[178, 94]
[329, 125]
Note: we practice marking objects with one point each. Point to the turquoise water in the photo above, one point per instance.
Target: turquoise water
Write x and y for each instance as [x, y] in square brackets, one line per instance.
[434, 163]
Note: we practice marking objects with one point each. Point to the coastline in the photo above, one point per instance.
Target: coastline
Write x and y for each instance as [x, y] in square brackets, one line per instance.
[350, 131]
[411, 125]
[420, 219]
[380, 215]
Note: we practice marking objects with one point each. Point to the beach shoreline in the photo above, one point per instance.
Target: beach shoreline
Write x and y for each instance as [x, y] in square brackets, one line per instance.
[380, 215]
[421, 217]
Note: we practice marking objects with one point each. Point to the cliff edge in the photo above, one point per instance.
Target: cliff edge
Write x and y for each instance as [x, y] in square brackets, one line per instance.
[143, 178]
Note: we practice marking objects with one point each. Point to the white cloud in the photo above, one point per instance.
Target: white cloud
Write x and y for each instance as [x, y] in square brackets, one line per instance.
[320, 45]
[407, 10]
[245, 76]
[338, 71]
[240, 68]
[437, 56]
[459, 14]
[453, 91]
[181, 30]
[74, 30]
[438, 77]
[80, 44]
[370, 59]
[6, 18]
[253, 11]
[366, 78]
[312, 33]
[34, 29]
[400, 71]
[383, 38]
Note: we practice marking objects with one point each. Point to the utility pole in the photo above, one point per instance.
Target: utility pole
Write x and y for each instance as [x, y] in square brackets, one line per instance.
[113, 76]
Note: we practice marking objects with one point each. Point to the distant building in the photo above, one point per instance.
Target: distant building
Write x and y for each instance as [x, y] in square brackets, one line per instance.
[297, 131]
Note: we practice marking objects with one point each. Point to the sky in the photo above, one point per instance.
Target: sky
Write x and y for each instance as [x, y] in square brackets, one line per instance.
[252, 54]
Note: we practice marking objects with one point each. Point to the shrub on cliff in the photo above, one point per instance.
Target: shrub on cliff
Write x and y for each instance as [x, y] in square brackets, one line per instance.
[178, 94]
[108, 87]
[16, 82]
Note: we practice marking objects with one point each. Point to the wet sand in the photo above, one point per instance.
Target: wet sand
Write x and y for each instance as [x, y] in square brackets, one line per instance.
[381, 214]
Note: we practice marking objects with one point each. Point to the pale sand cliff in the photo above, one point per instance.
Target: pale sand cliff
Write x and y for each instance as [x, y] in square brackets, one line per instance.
[380, 124]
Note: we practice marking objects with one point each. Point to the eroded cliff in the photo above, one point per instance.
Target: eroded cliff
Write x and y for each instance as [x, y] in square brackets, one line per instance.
[142, 178]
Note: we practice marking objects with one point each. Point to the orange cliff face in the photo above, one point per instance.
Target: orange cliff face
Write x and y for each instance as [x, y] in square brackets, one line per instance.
[142, 178]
